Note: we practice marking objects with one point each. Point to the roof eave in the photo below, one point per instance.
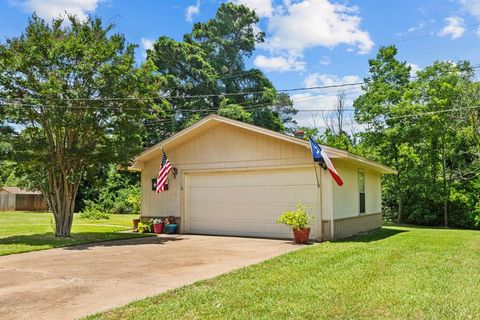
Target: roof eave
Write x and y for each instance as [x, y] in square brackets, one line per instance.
[332, 152]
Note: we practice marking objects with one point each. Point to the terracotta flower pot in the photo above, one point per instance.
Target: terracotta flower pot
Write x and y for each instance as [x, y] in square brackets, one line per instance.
[301, 235]
[158, 227]
[135, 224]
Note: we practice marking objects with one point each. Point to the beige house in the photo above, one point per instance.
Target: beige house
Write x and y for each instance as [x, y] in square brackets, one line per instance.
[234, 178]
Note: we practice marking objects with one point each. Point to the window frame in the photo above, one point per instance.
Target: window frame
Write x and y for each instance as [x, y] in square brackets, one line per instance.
[361, 185]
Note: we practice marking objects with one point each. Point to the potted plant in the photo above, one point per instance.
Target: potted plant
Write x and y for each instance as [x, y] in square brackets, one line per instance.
[135, 224]
[157, 225]
[171, 225]
[298, 220]
[143, 228]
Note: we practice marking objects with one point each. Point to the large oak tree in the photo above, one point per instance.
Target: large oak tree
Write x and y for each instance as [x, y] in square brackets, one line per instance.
[210, 62]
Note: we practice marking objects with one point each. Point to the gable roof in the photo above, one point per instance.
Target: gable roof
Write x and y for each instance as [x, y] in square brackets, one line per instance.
[213, 119]
[17, 190]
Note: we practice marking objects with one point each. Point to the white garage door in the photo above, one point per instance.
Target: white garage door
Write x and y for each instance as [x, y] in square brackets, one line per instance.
[246, 203]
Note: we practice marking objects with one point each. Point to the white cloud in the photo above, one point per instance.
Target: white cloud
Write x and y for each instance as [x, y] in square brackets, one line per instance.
[309, 101]
[471, 6]
[414, 68]
[418, 27]
[311, 23]
[263, 8]
[147, 44]
[454, 28]
[192, 10]
[325, 99]
[317, 79]
[279, 63]
[324, 60]
[49, 9]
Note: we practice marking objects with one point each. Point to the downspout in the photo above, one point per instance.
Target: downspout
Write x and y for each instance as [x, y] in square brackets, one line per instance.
[332, 228]
[319, 185]
[332, 231]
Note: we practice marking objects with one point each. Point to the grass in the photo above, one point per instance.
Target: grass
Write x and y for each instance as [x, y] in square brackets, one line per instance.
[32, 231]
[392, 273]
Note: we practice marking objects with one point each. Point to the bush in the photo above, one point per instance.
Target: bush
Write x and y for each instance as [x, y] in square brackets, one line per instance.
[124, 201]
[93, 212]
[296, 219]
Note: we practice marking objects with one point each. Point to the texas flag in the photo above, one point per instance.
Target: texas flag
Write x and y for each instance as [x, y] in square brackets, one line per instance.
[321, 157]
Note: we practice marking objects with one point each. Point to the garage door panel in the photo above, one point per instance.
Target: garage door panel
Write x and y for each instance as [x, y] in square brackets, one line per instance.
[252, 178]
[240, 229]
[246, 203]
[257, 212]
[258, 194]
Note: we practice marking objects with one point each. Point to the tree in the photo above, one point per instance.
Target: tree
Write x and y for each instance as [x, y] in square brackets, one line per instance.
[235, 112]
[377, 108]
[335, 134]
[335, 120]
[65, 85]
[427, 129]
[210, 62]
[439, 89]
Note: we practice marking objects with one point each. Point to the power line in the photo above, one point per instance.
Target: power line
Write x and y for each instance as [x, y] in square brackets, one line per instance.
[430, 34]
[165, 121]
[16, 103]
[341, 85]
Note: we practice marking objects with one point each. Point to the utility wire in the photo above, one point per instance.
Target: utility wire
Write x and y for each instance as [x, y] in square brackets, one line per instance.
[341, 85]
[420, 114]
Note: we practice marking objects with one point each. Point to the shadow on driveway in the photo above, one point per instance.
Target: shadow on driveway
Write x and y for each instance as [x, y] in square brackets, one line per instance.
[37, 241]
[148, 239]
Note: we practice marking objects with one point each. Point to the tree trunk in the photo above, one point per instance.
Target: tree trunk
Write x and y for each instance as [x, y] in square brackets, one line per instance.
[61, 199]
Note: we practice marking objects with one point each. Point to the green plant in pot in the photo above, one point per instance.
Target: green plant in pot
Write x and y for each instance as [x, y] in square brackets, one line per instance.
[171, 225]
[298, 220]
[143, 227]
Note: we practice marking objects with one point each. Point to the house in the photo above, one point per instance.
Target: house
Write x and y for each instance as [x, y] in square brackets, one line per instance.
[17, 199]
[233, 178]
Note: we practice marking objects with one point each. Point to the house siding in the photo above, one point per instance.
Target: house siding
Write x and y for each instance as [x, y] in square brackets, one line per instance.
[346, 201]
[221, 148]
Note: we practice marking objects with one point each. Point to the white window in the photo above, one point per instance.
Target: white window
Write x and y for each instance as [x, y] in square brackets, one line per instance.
[361, 191]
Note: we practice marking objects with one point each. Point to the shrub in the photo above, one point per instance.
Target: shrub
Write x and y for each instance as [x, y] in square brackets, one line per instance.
[143, 227]
[93, 212]
[296, 219]
[133, 199]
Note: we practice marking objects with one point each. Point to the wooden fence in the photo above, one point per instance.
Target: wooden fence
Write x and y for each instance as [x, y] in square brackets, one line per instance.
[22, 202]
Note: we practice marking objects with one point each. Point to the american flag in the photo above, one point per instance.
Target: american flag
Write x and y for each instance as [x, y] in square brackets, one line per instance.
[165, 168]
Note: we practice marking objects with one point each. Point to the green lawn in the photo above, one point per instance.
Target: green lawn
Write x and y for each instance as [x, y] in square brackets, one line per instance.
[392, 273]
[31, 231]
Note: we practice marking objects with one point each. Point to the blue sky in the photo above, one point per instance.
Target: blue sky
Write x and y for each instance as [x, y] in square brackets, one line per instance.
[309, 42]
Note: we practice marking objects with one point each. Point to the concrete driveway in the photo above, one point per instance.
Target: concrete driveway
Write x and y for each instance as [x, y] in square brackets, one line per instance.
[72, 282]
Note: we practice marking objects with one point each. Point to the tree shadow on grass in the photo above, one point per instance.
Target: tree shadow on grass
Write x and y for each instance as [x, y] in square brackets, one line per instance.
[374, 235]
[78, 241]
